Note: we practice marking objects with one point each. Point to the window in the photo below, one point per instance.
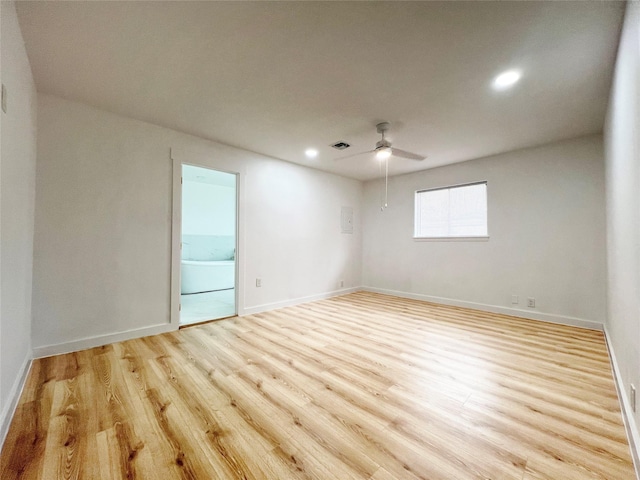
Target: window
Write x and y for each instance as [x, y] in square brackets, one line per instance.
[452, 212]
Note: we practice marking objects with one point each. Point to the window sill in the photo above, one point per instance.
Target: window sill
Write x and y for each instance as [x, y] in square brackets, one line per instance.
[452, 239]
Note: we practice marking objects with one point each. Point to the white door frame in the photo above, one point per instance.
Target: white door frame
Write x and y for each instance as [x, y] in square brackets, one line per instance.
[176, 236]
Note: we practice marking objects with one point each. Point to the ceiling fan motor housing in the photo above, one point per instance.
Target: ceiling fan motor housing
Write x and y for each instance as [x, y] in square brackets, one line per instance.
[383, 143]
[382, 127]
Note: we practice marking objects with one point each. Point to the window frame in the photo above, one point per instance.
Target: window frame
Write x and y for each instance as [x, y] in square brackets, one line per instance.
[471, 238]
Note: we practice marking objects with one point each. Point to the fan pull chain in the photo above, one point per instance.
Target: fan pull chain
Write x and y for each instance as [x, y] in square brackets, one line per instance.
[381, 199]
[386, 183]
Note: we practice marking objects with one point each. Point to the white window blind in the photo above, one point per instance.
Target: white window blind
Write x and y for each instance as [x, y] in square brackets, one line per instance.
[459, 211]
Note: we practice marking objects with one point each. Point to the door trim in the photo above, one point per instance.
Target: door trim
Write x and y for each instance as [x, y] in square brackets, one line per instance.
[176, 239]
[176, 235]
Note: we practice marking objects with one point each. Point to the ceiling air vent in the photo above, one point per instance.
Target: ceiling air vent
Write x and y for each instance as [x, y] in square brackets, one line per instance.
[340, 145]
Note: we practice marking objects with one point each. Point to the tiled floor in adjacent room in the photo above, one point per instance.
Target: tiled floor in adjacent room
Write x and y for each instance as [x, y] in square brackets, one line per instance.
[200, 307]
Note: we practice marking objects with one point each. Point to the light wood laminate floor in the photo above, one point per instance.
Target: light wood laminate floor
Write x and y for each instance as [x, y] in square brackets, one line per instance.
[363, 386]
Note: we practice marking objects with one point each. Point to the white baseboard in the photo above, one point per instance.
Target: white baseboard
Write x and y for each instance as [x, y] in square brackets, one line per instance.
[14, 396]
[99, 340]
[545, 317]
[627, 413]
[296, 301]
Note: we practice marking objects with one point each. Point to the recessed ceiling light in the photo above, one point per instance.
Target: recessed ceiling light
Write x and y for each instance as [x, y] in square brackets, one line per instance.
[506, 79]
[311, 153]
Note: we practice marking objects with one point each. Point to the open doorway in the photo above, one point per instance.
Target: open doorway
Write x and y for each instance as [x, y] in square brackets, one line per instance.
[208, 254]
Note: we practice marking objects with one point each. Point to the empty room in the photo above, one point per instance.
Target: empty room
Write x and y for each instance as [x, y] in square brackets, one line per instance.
[278, 240]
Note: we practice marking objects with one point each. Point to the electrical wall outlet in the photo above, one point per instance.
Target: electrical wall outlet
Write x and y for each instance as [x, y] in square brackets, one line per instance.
[4, 98]
[258, 282]
[632, 397]
[514, 299]
[341, 283]
[531, 302]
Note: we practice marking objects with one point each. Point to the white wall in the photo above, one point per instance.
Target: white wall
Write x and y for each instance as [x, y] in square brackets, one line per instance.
[208, 209]
[293, 225]
[546, 227]
[103, 225]
[622, 141]
[17, 190]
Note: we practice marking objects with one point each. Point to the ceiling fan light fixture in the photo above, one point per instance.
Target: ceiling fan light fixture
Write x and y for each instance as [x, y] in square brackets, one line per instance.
[383, 153]
[506, 79]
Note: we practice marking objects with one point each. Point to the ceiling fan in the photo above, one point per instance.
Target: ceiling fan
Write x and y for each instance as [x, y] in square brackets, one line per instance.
[384, 149]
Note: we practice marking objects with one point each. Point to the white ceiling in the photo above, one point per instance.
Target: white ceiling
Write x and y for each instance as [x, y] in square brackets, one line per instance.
[278, 77]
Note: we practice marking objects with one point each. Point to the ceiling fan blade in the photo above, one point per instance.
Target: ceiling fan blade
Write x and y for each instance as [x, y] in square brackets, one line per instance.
[355, 154]
[404, 154]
